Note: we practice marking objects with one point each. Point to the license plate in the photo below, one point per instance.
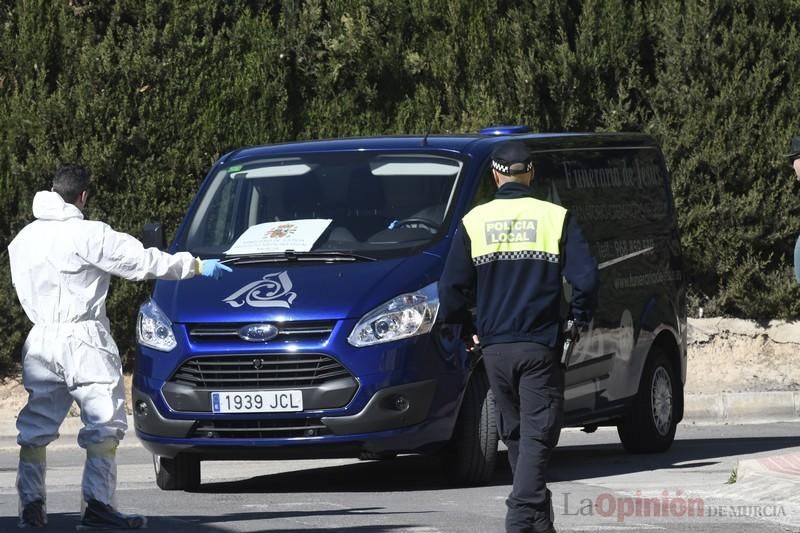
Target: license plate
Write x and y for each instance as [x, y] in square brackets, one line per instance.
[265, 401]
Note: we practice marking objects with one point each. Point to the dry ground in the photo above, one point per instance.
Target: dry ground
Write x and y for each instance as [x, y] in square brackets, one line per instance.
[13, 396]
[740, 363]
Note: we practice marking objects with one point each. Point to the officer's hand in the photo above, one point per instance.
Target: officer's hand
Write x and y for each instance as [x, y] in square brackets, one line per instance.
[213, 268]
[573, 329]
[474, 352]
[476, 342]
[472, 344]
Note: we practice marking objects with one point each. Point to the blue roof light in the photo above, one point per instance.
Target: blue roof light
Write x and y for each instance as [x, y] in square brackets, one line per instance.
[505, 130]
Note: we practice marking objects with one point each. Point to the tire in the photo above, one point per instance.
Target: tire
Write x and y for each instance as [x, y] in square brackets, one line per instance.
[649, 426]
[180, 473]
[470, 456]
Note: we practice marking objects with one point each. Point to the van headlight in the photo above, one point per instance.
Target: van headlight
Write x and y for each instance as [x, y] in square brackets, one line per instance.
[404, 316]
[154, 329]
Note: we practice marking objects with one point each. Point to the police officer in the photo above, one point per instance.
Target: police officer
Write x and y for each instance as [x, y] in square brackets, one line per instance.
[794, 160]
[511, 254]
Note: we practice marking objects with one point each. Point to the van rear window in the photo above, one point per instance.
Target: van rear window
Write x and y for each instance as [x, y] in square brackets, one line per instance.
[610, 191]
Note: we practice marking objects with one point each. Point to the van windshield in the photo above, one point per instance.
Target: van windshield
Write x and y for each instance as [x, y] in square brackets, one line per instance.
[377, 203]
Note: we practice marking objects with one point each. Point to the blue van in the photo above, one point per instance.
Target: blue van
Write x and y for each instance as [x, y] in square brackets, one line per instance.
[328, 345]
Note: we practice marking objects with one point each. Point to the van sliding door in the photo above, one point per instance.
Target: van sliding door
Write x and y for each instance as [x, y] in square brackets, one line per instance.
[621, 200]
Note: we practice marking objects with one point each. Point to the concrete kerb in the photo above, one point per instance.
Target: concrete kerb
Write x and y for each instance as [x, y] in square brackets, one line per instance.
[743, 407]
[774, 478]
[785, 466]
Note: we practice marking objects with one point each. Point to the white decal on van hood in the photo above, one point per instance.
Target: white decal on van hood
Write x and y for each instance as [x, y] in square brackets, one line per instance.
[273, 290]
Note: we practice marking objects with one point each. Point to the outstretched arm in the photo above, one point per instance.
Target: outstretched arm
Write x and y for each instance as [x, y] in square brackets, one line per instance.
[125, 256]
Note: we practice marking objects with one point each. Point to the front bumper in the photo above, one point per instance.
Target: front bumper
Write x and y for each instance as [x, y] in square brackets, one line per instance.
[357, 407]
[392, 419]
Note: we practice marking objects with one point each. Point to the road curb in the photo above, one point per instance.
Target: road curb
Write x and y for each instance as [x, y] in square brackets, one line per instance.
[774, 478]
[742, 407]
[785, 466]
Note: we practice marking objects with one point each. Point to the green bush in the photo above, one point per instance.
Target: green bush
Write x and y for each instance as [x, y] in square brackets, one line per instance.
[149, 94]
[724, 106]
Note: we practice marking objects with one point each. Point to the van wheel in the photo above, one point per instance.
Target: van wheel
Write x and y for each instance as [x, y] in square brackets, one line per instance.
[180, 473]
[470, 456]
[649, 426]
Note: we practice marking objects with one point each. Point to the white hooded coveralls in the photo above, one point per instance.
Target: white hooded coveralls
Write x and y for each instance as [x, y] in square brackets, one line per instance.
[61, 266]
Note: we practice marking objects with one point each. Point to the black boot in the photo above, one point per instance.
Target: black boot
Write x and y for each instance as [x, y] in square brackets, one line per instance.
[543, 520]
[33, 515]
[99, 516]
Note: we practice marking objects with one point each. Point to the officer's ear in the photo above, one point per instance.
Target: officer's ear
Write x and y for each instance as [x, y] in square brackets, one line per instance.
[496, 177]
[82, 198]
[531, 174]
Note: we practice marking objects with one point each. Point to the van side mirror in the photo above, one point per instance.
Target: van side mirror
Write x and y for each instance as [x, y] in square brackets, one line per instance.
[153, 236]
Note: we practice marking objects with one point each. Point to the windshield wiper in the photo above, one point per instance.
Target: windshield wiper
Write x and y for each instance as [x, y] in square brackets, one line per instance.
[291, 255]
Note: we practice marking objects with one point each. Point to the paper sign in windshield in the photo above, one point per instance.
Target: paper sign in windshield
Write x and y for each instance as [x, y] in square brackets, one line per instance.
[278, 237]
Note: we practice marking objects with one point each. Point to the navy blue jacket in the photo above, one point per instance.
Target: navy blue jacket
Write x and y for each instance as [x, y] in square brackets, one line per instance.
[517, 294]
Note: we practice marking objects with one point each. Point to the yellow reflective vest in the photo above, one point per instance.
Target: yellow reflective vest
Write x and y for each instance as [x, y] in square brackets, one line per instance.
[508, 259]
[515, 229]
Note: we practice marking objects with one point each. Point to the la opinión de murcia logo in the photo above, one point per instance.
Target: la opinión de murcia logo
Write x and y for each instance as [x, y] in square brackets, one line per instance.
[273, 290]
[663, 505]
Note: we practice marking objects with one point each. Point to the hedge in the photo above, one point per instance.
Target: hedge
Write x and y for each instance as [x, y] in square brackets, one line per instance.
[149, 94]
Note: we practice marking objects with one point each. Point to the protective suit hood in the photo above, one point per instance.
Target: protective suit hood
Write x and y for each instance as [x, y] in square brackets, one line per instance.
[48, 205]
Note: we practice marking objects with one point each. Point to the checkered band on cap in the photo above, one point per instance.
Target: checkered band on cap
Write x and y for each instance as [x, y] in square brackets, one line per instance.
[510, 169]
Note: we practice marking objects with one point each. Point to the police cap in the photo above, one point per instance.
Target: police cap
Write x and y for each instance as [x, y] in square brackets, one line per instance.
[794, 148]
[512, 157]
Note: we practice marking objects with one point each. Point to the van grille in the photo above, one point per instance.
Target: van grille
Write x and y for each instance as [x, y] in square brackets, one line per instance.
[259, 371]
[299, 331]
[260, 429]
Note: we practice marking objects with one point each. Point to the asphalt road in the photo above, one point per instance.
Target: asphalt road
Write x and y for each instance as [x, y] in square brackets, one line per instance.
[596, 485]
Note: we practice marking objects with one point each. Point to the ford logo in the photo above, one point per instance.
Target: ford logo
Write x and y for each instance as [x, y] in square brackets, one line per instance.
[258, 332]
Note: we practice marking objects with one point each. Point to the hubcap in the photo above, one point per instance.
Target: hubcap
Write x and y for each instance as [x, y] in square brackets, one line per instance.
[661, 400]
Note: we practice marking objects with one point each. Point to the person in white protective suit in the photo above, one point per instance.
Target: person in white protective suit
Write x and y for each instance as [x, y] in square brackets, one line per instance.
[61, 265]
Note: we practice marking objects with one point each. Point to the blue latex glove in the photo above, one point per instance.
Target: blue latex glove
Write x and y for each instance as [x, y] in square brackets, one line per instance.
[212, 268]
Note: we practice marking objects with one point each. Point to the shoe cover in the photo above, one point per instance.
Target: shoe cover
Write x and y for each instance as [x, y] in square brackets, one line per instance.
[101, 516]
[33, 515]
[100, 472]
[31, 486]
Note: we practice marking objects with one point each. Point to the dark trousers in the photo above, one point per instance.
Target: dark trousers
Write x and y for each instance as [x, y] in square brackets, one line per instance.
[528, 385]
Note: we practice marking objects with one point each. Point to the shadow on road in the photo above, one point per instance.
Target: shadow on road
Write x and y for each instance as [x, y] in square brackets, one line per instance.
[570, 463]
[402, 474]
[259, 519]
[573, 463]
[63, 522]
[55, 522]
